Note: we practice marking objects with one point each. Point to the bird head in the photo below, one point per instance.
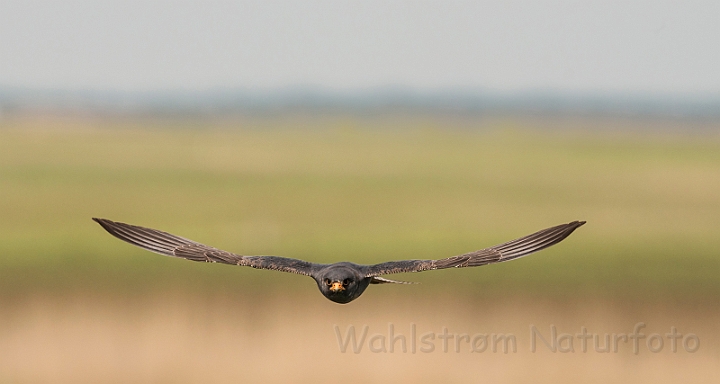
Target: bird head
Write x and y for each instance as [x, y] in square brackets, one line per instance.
[341, 283]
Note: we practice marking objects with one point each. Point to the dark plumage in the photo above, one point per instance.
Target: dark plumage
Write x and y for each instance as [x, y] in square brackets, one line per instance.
[340, 282]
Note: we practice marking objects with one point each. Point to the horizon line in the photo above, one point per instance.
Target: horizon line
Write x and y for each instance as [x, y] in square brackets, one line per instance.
[309, 98]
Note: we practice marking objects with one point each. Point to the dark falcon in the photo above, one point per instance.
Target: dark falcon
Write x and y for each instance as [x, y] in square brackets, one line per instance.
[340, 282]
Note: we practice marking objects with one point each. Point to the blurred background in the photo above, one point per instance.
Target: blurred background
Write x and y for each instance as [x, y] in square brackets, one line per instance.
[364, 132]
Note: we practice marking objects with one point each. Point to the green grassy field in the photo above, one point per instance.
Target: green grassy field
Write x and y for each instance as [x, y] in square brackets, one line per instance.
[364, 190]
[77, 305]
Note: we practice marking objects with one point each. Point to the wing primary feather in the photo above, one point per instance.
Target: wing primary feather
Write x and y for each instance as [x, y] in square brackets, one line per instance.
[123, 235]
[550, 238]
[161, 237]
[529, 238]
[532, 245]
[131, 237]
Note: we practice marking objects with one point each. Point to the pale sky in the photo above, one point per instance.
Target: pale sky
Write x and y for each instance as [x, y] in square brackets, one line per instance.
[598, 46]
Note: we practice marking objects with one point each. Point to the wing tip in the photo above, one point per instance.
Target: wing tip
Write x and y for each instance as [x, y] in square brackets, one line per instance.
[105, 223]
[576, 224]
[109, 224]
[102, 221]
[571, 227]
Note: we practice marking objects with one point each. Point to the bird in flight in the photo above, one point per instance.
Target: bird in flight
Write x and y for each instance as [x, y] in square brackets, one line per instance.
[340, 282]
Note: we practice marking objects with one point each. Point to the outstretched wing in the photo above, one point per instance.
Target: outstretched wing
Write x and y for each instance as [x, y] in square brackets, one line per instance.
[499, 253]
[171, 245]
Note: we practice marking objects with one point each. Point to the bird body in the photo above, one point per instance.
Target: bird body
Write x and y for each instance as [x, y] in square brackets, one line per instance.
[340, 282]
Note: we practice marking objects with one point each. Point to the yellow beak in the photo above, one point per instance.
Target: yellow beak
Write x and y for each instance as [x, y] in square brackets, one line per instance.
[337, 286]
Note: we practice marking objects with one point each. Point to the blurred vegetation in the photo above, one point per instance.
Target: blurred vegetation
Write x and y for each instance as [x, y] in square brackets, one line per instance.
[363, 189]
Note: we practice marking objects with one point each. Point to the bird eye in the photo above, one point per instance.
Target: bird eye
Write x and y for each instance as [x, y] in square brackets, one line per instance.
[347, 281]
[326, 281]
